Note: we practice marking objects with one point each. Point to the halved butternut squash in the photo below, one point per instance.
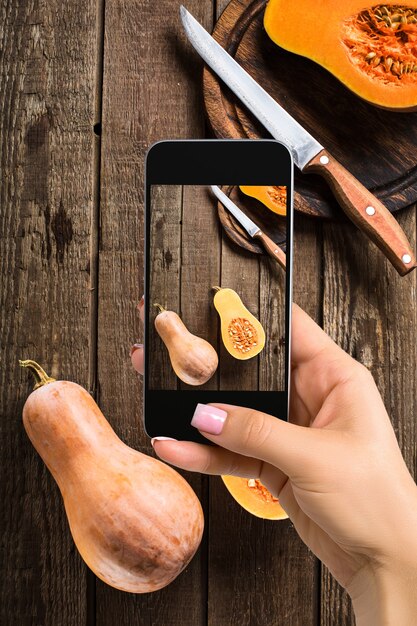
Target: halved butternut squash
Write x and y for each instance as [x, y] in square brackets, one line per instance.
[372, 49]
[254, 497]
[242, 334]
[272, 196]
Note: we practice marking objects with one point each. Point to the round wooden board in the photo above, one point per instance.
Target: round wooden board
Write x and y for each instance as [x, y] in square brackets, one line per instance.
[377, 146]
[269, 222]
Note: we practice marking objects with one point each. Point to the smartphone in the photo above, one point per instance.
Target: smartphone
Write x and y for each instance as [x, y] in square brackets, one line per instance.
[217, 302]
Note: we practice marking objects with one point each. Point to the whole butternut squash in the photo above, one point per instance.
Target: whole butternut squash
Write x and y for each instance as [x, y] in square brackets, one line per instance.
[193, 359]
[135, 521]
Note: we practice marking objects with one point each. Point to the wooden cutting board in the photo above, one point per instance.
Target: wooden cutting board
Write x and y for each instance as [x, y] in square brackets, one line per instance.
[379, 147]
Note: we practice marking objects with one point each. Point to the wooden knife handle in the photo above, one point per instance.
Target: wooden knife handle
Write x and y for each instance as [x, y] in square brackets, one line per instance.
[272, 248]
[366, 211]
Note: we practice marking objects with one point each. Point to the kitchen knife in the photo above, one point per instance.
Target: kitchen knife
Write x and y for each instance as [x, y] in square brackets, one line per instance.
[361, 206]
[251, 228]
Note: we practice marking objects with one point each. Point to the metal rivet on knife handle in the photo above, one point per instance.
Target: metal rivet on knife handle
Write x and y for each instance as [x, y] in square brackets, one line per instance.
[272, 249]
[366, 211]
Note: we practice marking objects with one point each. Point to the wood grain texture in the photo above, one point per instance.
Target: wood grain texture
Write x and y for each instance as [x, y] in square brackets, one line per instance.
[370, 311]
[165, 272]
[377, 146]
[47, 70]
[272, 283]
[200, 268]
[380, 226]
[149, 93]
[269, 577]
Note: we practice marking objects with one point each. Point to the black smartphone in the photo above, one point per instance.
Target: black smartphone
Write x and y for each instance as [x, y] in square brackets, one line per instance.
[217, 297]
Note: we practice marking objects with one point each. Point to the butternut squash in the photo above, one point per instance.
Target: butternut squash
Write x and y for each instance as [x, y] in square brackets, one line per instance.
[242, 334]
[135, 521]
[273, 197]
[254, 497]
[193, 359]
[372, 49]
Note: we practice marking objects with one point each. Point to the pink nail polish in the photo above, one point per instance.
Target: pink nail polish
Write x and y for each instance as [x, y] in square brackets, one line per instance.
[135, 347]
[140, 303]
[209, 419]
[162, 439]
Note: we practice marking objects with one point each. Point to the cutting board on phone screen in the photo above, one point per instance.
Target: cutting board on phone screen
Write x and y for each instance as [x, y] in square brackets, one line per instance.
[378, 146]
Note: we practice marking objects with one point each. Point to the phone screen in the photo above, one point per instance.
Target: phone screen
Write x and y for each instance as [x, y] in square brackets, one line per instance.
[216, 301]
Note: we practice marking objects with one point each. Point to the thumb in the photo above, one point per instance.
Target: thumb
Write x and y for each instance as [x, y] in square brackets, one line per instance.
[251, 433]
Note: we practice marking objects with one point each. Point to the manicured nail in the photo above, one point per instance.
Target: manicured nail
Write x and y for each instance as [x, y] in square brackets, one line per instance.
[162, 439]
[140, 303]
[209, 419]
[135, 347]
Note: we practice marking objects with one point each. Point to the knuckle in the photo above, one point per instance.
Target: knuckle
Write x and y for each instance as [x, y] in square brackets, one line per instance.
[363, 373]
[206, 464]
[256, 431]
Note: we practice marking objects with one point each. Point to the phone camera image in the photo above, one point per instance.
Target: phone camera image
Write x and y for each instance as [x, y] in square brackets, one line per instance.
[216, 301]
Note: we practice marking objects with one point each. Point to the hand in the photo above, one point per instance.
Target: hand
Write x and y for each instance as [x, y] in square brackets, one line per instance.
[136, 351]
[336, 469]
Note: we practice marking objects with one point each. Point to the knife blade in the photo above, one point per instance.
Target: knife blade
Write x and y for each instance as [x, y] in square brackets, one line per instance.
[361, 206]
[251, 228]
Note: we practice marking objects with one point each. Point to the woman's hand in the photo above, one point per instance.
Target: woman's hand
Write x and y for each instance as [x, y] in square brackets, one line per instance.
[336, 469]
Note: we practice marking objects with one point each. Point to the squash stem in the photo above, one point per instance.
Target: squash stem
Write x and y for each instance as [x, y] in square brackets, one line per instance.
[159, 307]
[39, 374]
[216, 288]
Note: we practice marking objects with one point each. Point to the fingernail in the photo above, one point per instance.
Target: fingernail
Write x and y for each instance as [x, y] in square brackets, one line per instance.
[140, 303]
[162, 439]
[209, 419]
[135, 347]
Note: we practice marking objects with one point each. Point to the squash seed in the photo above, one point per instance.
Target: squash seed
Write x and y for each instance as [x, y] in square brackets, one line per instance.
[385, 27]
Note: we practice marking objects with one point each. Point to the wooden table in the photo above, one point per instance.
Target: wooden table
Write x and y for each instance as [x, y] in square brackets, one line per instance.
[85, 88]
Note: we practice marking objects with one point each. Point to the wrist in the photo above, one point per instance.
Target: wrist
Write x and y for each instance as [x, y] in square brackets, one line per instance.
[383, 595]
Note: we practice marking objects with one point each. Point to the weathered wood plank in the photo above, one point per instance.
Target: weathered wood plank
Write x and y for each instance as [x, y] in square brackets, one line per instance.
[47, 81]
[370, 311]
[149, 93]
[272, 316]
[246, 554]
[165, 272]
[200, 269]
[260, 572]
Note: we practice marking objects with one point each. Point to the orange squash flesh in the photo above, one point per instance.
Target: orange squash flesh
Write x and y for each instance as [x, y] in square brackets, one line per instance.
[372, 48]
[254, 497]
[242, 334]
[272, 196]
